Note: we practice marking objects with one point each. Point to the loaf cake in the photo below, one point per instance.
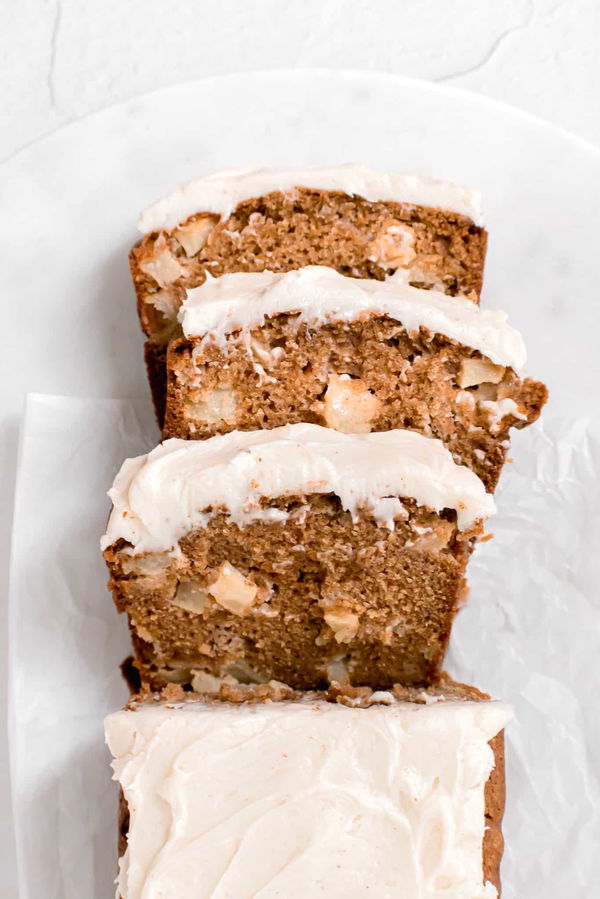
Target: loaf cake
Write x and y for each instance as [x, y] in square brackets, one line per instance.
[336, 411]
[363, 223]
[299, 553]
[261, 350]
[277, 793]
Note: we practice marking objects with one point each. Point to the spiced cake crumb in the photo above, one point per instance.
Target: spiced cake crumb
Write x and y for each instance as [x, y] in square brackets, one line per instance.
[264, 350]
[298, 554]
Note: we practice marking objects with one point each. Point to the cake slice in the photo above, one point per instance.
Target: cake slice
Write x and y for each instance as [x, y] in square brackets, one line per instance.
[363, 223]
[261, 350]
[276, 793]
[300, 554]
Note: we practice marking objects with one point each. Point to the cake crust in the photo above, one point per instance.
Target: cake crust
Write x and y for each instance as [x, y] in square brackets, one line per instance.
[495, 800]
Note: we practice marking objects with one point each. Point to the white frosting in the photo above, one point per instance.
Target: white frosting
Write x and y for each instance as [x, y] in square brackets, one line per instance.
[243, 300]
[305, 799]
[497, 410]
[159, 497]
[220, 192]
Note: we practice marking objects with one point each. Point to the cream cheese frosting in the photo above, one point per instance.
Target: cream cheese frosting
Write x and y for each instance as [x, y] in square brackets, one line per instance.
[159, 497]
[220, 192]
[298, 799]
[241, 301]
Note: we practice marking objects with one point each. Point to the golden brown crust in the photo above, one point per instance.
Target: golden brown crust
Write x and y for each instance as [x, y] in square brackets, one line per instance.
[123, 823]
[495, 795]
[285, 373]
[443, 688]
[283, 232]
[156, 369]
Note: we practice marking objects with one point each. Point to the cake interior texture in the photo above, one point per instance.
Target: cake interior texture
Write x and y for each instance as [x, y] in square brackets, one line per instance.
[315, 598]
[278, 793]
[299, 554]
[284, 231]
[361, 376]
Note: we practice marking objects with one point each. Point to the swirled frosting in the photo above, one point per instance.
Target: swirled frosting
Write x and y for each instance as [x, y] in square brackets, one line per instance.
[220, 192]
[299, 799]
[159, 497]
[241, 301]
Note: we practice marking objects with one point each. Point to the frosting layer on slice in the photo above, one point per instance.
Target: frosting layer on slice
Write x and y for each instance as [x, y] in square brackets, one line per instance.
[220, 192]
[301, 799]
[242, 301]
[159, 497]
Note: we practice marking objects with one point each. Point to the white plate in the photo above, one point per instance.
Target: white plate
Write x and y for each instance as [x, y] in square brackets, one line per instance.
[68, 218]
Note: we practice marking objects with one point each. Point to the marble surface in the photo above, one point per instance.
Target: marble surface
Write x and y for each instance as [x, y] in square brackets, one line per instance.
[81, 56]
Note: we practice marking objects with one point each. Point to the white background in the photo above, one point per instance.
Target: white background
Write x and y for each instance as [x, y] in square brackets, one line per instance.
[62, 59]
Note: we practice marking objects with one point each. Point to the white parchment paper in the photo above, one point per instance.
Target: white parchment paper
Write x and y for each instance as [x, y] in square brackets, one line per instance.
[66, 642]
[530, 634]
